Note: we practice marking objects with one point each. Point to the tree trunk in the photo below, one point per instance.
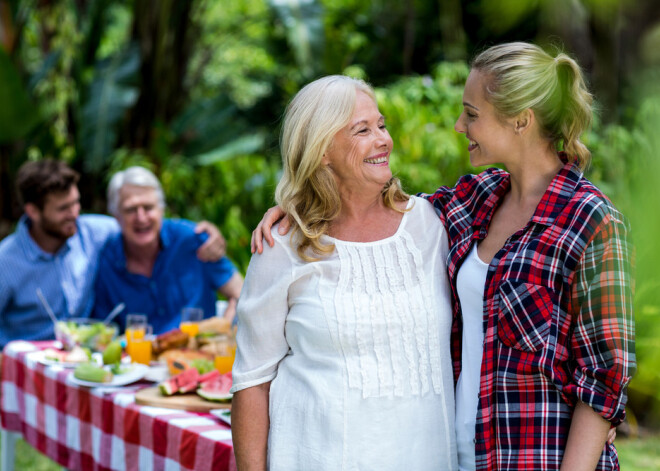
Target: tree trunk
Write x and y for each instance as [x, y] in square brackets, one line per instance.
[161, 30]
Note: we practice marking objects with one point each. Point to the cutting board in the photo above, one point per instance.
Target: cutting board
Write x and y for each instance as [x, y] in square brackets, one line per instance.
[189, 402]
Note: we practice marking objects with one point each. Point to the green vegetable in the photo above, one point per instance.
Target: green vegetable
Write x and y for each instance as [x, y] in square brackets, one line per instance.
[112, 353]
[92, 372]
[202, 366]
[118, 369]
[95, 335]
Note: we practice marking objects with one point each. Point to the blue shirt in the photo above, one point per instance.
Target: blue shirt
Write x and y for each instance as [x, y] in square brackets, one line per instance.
[66, 278]
[179, 279]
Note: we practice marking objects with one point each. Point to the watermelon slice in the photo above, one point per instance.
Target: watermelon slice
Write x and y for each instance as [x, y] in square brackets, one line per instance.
[182, 383]
[211, 375]
[216, 389]
[168, 387]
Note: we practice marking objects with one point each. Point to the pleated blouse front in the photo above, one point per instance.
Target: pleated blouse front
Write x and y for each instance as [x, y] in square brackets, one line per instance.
[357, 348]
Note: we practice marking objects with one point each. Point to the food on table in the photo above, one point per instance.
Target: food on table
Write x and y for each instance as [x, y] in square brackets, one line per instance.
[210, 376]
[212, 386]
[178, 359]
[202, 365]
[216, 389]
[92, 372]
[87, 333]
[174, 338]
[214, 325]
[76, 355]
[119, 369]
[223, 349]
[112, 353]
[182, 383]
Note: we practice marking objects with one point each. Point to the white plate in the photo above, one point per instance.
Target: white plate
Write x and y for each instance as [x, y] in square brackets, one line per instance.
[136, 373]
[222, 414]
[40, 356]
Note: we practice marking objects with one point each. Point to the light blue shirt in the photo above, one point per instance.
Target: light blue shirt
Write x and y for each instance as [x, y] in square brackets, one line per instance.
[66, 278]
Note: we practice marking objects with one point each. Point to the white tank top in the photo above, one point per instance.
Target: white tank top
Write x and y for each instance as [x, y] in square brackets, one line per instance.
[470, 284]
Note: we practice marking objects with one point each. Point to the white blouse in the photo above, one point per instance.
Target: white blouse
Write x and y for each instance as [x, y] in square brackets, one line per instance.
[357, 348]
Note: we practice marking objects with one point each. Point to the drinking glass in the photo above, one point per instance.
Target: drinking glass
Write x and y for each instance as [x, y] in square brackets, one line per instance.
[141, 343]
[225, 352]
[135, 328]
[190, 317]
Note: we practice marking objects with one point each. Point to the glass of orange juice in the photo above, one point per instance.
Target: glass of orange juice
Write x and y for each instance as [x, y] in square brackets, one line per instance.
[190, 317]
[225, 353]
[141, 343]
[135, 328]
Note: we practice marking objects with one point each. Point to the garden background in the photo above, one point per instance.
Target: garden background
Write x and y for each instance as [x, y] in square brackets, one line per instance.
[195, 90]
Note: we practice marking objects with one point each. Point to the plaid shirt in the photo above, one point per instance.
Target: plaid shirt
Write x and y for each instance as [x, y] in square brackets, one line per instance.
[558, 317]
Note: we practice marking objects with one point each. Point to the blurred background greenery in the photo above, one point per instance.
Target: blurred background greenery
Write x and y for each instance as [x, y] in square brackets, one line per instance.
[195, 89]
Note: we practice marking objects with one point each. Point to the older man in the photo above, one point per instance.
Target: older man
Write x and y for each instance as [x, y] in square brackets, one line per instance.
[151, 266]
[56, 250]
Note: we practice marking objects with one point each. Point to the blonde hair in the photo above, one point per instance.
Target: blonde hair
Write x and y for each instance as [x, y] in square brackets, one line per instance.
[523, 76]
[307, 191]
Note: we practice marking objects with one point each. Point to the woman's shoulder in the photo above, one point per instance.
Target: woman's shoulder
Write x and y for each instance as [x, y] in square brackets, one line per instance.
[423, 217]
[422, 207]
[594, 202]
[489, 178]
[283, 246]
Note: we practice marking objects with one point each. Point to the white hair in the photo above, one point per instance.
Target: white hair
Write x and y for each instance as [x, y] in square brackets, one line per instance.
[138, 176]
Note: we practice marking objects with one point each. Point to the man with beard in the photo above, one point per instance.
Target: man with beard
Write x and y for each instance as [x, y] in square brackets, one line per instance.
[55, 249]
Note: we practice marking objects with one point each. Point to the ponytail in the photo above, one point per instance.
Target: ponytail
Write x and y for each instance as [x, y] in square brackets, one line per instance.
[575, 114]
[523, 76]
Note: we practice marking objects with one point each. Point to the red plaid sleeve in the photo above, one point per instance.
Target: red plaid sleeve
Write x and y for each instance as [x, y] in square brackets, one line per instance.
[603, 336]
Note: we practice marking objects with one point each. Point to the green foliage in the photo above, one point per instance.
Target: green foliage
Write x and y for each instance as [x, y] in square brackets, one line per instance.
[420, 113]
[303, 23]
[17, 111]
[643, 188]
[639, 453]
[110, 95]
[243, 67]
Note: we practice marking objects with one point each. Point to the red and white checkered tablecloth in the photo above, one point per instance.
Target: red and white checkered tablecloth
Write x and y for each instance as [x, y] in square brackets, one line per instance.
[95, 429]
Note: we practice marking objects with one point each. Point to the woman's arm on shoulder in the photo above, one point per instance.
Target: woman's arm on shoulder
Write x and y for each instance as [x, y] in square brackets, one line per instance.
[262, 230]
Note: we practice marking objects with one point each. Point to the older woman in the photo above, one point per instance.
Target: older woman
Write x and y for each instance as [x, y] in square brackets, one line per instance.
[539, 264]
[343, 337]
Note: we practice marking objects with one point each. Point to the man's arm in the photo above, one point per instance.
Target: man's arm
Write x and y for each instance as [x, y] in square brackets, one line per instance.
[232, 291]
[214, 248]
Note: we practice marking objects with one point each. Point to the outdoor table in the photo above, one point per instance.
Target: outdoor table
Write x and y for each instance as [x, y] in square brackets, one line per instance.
[101, 428]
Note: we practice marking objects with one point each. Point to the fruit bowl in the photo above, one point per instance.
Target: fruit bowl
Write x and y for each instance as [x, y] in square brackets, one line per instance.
[85, 333]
